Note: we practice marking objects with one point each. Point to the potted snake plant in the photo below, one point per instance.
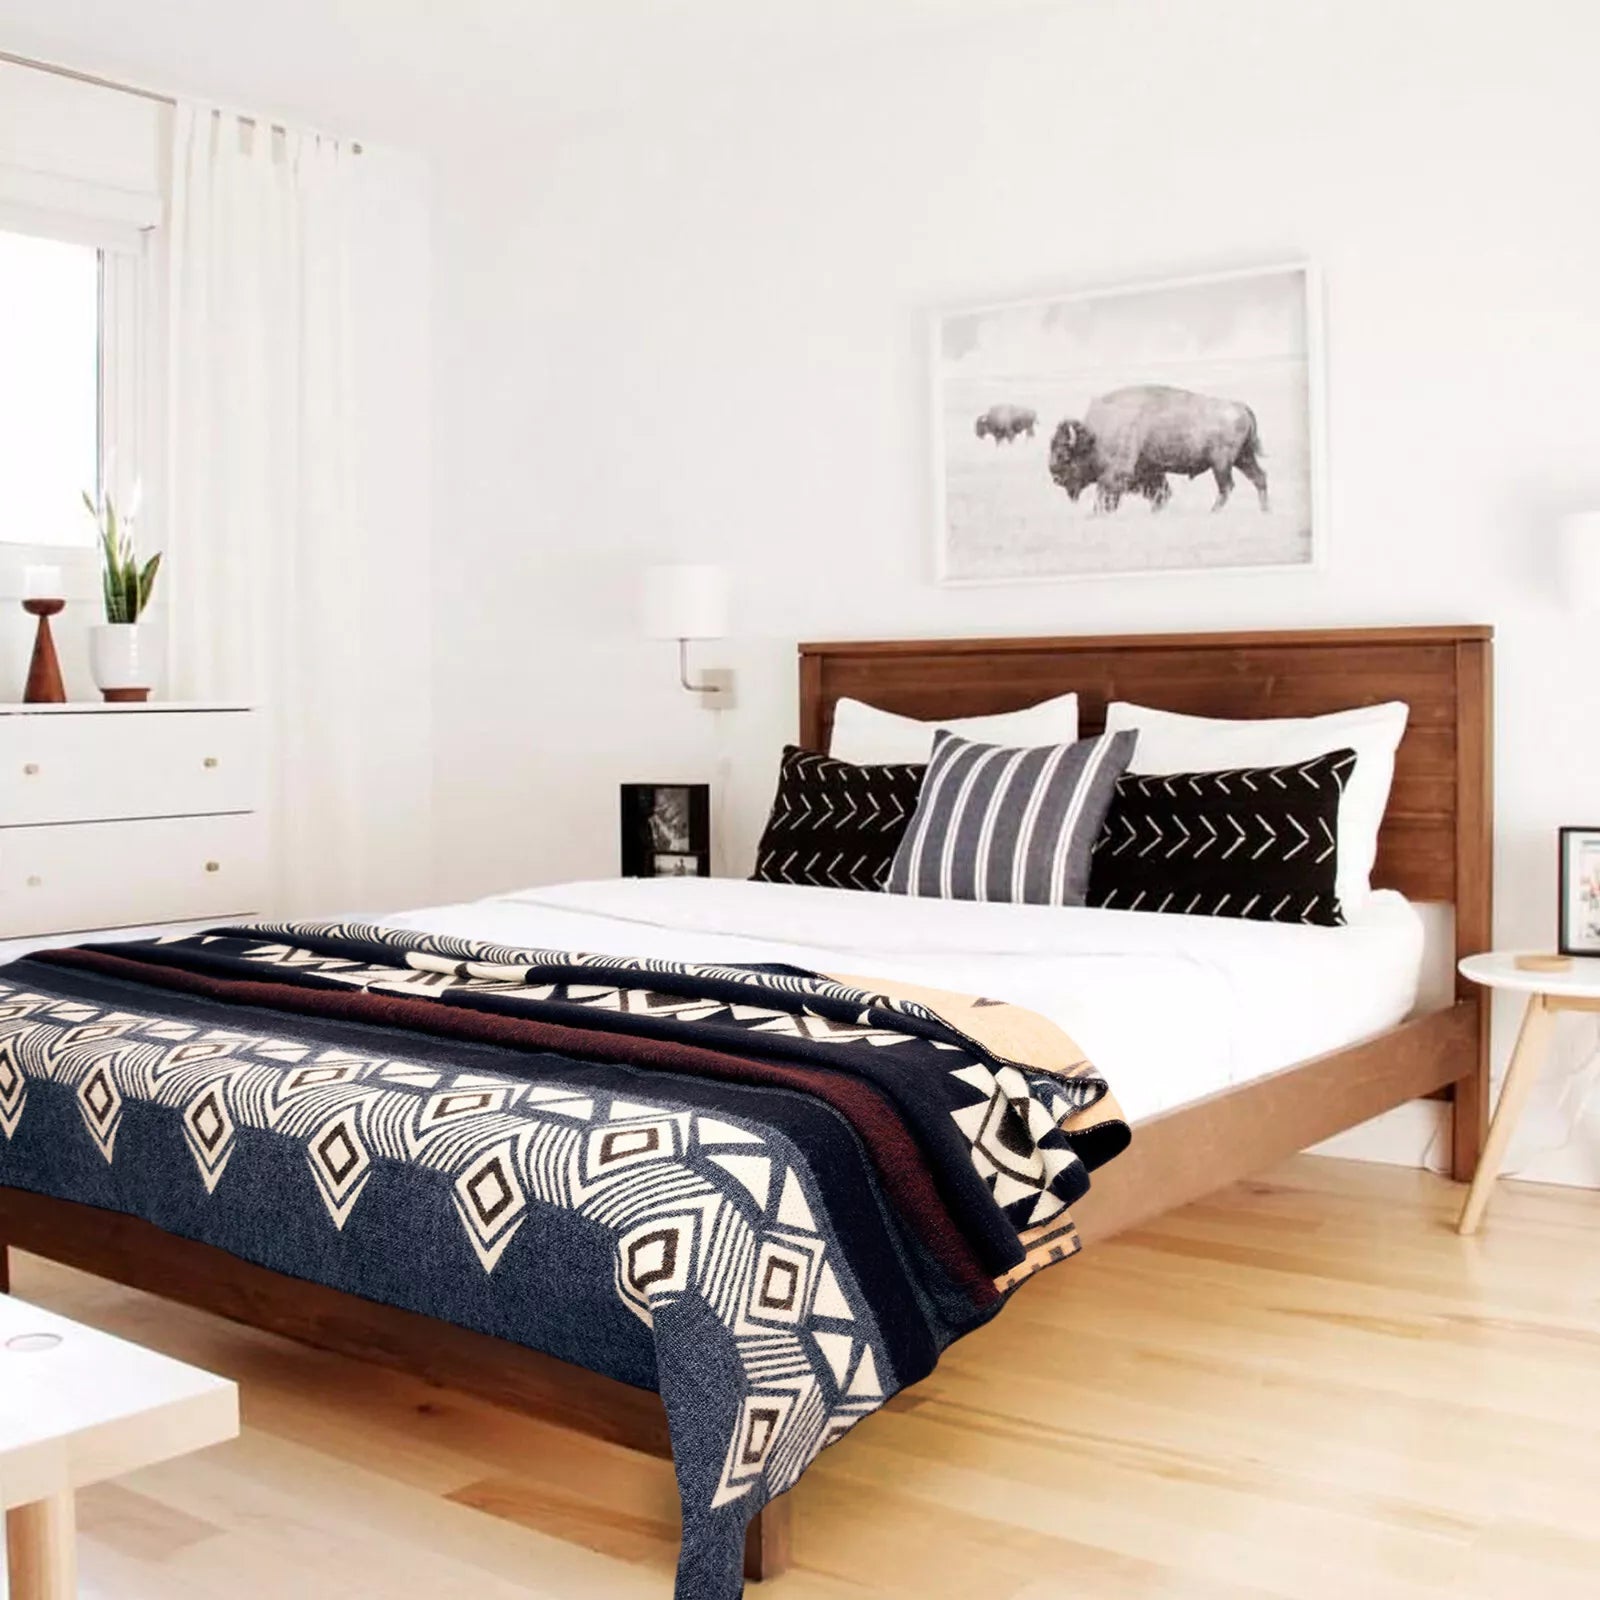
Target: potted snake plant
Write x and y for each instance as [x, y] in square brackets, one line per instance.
[114, 646]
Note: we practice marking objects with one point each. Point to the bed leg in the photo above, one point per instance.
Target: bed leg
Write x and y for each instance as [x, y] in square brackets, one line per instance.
[1469, 1105]
[5, 1268]
[766, 1540]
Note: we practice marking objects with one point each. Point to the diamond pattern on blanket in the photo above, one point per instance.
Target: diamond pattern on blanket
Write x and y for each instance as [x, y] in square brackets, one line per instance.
[101, 1103]
[340, 1163]
[492, 1201]
[654, 1260]
[662, 1182]
[208, 1130]
[13, 1088]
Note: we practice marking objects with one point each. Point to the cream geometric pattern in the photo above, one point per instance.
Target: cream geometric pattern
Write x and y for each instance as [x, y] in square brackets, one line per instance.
[696, 1205]
[1009, 1128]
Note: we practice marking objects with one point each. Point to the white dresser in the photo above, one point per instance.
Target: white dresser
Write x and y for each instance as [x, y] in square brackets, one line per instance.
[124, 816]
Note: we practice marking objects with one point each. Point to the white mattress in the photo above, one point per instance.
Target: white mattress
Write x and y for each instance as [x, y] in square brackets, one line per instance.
[1170, 1008]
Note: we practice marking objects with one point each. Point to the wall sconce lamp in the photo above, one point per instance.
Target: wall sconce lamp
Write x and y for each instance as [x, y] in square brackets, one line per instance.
[684, 602]
[1580, 561]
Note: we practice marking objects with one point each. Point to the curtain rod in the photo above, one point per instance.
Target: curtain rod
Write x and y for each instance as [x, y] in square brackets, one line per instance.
[137, 90]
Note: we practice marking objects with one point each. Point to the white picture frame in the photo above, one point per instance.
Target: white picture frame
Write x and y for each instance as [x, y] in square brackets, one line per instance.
[1248, 343]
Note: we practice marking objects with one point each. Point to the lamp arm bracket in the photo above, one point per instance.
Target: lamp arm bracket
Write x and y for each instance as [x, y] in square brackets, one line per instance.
[683, 672]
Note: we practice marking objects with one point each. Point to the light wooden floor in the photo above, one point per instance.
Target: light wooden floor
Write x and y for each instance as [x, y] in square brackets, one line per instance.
[1306, 1387]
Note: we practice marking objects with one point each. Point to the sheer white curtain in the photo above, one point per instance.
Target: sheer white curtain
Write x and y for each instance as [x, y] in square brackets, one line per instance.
[266, 545]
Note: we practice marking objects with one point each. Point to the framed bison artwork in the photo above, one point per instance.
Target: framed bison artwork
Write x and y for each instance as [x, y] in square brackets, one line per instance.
[1172, 427]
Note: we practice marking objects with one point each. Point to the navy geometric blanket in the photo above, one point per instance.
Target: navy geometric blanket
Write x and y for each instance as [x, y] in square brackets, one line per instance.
[770, 1196]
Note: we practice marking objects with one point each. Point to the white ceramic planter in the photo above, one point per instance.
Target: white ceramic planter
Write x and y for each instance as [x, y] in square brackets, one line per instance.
[114, 661]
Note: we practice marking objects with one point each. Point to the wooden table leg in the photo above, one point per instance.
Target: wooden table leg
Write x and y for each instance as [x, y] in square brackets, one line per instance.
[1526, 1059]
[767, 1548]
[42, 1550]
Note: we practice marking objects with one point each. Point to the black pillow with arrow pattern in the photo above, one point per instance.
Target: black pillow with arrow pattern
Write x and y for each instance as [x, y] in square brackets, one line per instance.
[1254, 842]
[833, 824]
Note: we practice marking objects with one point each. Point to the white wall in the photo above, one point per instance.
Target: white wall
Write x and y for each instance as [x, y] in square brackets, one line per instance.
[703, 337]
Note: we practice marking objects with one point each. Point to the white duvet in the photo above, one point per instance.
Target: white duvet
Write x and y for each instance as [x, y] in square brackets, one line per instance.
[1170, 1008]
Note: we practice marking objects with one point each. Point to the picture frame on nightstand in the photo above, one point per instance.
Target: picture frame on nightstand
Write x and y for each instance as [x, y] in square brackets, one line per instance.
[1579, 933]
[666, 830]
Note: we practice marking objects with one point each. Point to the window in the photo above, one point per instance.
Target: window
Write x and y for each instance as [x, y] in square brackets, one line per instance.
[50, 388]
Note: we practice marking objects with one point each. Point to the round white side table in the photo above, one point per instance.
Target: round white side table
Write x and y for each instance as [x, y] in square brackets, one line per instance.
[1574, 988]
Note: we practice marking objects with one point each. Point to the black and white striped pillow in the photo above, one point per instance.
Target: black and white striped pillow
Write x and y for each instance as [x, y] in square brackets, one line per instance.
[835, 825]
[1254, 842]
[994, 823]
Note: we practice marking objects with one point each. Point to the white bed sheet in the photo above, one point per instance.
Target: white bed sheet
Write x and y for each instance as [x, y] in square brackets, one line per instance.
[1170, 1008]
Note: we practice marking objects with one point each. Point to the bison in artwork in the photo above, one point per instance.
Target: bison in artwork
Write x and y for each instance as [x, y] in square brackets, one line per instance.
[1132, 438]
[1004, 423]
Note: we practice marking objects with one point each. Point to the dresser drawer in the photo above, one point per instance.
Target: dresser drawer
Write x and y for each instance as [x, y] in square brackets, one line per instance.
[111, 874]
[89, 766]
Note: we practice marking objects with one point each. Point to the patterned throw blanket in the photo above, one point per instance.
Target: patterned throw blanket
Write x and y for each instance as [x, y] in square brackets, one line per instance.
[772, 1196]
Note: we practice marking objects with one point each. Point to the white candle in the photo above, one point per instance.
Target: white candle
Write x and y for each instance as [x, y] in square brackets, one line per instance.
[42, 583]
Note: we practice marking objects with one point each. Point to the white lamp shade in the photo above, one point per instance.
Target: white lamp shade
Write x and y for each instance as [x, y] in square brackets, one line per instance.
[685, 601]
[1580, 560]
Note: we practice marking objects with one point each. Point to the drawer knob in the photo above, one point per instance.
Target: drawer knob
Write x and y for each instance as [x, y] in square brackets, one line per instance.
[30, 769]
[210, 762]
[213, 866]
[34, 881]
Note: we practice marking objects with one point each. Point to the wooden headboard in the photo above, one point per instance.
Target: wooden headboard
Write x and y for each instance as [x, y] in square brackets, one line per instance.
[1437, 838]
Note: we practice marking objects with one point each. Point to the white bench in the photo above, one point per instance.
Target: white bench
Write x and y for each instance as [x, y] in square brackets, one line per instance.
[78, 1406]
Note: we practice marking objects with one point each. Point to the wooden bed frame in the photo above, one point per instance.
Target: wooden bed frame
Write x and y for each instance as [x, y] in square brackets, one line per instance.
[1435, 846]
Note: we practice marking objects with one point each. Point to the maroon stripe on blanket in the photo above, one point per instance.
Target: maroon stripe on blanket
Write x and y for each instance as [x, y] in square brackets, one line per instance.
[899, 1164]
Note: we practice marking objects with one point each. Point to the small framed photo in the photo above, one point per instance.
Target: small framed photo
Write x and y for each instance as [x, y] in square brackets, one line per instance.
[1580, 892]
[676, 865]
[666, 830]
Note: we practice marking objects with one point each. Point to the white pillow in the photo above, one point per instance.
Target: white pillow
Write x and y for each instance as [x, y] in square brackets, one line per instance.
[1169, 741]
[867, 736]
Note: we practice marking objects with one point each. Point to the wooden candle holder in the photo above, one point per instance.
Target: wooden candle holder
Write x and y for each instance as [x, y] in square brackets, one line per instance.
[44, 671]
